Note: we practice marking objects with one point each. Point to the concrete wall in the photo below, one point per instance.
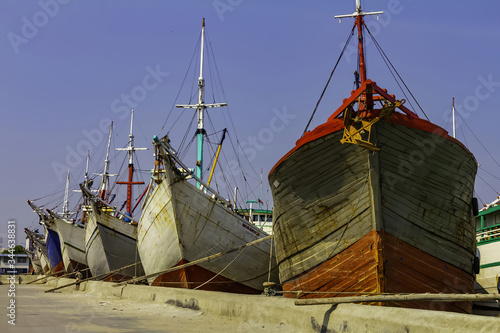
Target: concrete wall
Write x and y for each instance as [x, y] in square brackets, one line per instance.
[276, 310]
[20, 279]
[314, 318]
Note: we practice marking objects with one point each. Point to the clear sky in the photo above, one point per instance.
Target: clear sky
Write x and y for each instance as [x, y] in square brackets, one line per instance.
[68, 67]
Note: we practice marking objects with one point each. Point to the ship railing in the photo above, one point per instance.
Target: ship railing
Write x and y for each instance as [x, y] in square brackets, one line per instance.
[106, 207]
[488, 233]
[169, 150]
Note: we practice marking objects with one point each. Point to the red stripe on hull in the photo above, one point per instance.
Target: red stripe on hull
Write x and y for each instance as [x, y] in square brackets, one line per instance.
[194, 276]
[381, 263]
[410, 270]
[337, 124]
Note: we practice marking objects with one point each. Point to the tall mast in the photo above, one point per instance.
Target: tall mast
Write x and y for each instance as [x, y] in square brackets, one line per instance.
[201, 100]
[453, 114]
[103, 190]
[201, 106]
[86, 175]
[65, 211]
[359, 14]
[130, 150]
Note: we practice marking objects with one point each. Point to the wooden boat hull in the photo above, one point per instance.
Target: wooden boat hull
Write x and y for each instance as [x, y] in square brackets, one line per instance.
[72, 240]
[110, 244]
[41, 252]
[44, 261]
[35, 260]
[348, 219]
[37, 266]
[181, 224]
[54, 251]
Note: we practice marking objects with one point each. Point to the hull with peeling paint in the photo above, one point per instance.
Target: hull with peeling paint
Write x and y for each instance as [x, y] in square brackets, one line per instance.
[110, 244]
[397, 220]
[72, 238]
[180, 224]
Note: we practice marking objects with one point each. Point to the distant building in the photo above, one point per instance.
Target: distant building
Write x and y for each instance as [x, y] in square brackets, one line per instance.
[21, 266]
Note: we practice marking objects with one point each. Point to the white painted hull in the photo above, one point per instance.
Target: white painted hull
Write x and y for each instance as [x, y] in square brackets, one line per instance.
[72, 239]
[180, 223]
[37, 266]
[35, 261]
[41, 255]
[110, 244]
[44, 261]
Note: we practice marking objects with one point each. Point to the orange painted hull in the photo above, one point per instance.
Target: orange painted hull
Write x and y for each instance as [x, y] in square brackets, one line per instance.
[59, 269]
[381, 263]
[190, 278]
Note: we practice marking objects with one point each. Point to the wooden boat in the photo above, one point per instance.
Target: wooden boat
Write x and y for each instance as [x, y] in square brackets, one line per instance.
[52, 242]
[375, 200]
[260, 217]
[110, 234]
[37, 252]
[182, 222]
[488, 245]
[72, 238]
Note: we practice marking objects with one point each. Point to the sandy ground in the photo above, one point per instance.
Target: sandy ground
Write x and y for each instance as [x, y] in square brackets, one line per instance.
[73, 311]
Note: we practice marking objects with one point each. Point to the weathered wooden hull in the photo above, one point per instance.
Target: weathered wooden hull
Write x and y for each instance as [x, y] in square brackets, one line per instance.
[35, 260]
[72, 240]
[44, 261]
[41, 255]
[41, 252]
[37, 265]
[110, 244]
[398, 220]
[181, 224]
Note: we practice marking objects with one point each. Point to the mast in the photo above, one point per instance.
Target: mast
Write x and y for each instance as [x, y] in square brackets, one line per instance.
[261, 194]
[65, 211]
[130, 150]
[104, 187]
[453, 114]
[359, 23]
[86, 175]
[216, 157]
[201, 106]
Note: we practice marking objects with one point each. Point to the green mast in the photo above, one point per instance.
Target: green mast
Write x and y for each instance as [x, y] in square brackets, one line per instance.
[200, 106]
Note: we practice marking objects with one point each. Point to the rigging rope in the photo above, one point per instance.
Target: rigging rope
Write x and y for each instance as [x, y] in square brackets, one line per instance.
[328, 82]
[180, 89]
[186, 134]
[379, 48]
[463, 121]
[229, 264]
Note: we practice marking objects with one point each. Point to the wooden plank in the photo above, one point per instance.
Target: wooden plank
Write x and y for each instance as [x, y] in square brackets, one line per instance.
[352, 270]
[392, 298]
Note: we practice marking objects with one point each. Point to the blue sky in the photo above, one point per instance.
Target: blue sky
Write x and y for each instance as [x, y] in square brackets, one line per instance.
[67, 68]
